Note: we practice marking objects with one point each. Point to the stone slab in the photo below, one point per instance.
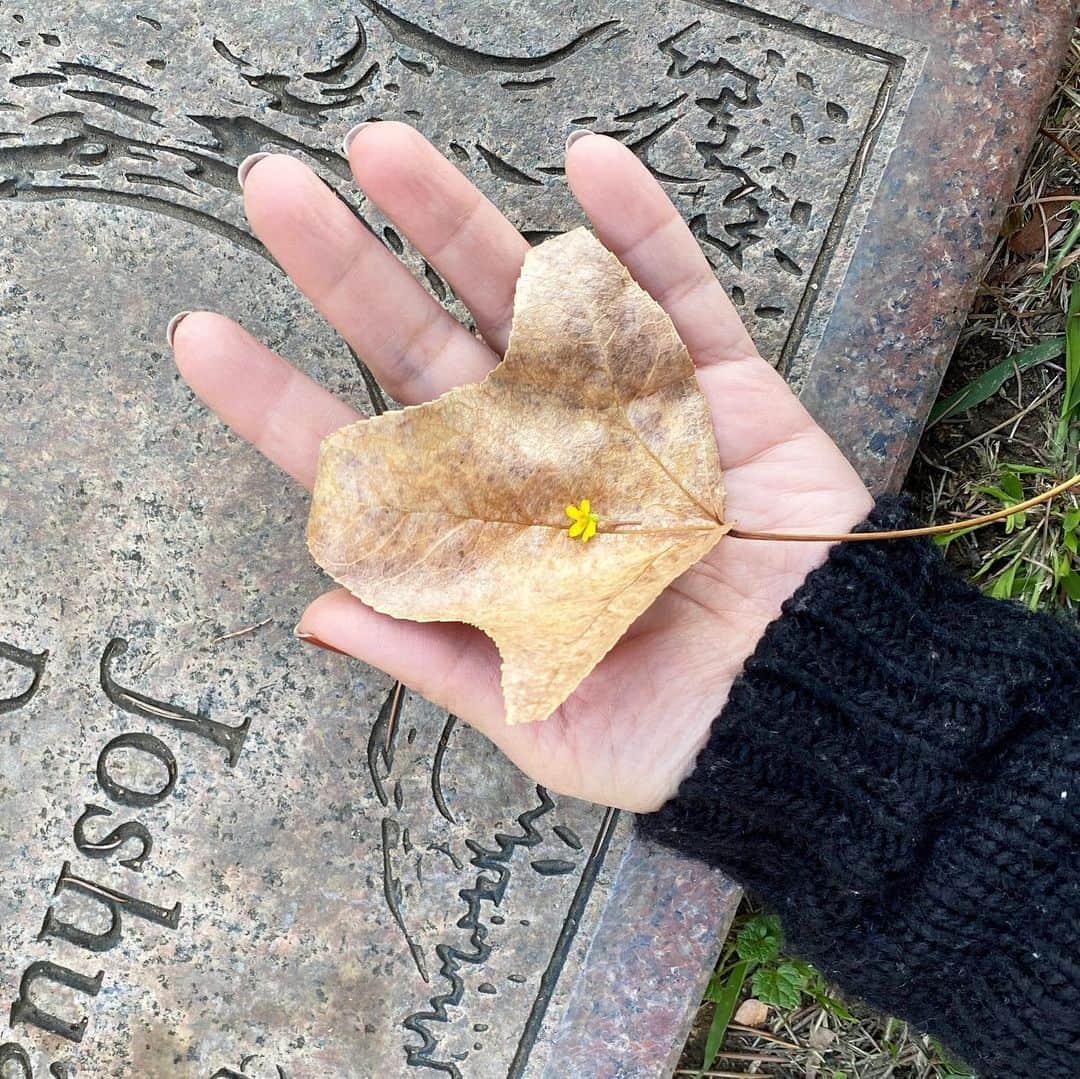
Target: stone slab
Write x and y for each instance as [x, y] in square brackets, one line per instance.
[322, 874]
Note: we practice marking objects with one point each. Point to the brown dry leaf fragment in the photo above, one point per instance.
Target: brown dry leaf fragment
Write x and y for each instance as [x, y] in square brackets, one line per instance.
[1030, 239]
[455, 511]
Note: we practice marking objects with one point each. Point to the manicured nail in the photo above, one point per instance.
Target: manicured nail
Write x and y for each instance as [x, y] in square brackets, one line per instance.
[311, 639]
[351, 134]
[170, 330]
[248, 164]
[576, 135]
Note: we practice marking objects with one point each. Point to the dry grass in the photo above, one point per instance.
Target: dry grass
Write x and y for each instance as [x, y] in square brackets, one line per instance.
[815, 1042]
[957, 462]
[812, 1044]
[1015, 310]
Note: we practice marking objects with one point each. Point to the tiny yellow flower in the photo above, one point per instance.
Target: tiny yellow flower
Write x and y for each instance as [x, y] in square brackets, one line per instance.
[585, 521]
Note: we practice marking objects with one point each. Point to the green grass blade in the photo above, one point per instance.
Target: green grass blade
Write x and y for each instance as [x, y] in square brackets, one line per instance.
[1063, 252]
[989, 382]
[1003, 587]
[834, 1006]
[1028, 470]
[1071, 397]
[726, 1000]
[1071, 584]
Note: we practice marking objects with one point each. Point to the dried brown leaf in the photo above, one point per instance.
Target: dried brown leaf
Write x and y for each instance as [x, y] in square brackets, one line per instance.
[454, 511]
[1030, 239]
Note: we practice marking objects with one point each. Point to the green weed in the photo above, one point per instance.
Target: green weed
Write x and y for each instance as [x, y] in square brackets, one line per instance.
[755, 952]
[1037, 562]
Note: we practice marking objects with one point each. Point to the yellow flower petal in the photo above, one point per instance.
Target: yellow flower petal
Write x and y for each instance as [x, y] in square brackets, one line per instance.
[585, 507]
[577, 528]
[590, 530]
[574, 513]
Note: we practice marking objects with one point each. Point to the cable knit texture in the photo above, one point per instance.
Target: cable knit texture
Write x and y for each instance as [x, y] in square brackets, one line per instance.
[895, 774]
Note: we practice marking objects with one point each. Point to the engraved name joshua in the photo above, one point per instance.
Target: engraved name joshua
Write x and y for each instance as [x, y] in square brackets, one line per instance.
[97, 836]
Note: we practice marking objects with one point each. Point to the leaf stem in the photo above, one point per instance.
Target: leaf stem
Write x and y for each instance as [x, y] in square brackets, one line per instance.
[910, 533]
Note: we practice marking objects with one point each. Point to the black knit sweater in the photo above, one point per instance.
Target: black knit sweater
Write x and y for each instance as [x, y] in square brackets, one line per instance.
[895, 774]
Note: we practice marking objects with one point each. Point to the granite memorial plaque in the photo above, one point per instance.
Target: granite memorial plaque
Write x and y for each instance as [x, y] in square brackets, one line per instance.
[222, 855]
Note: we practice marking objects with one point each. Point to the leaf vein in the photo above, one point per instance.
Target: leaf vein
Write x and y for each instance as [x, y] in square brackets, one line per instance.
[625, 415]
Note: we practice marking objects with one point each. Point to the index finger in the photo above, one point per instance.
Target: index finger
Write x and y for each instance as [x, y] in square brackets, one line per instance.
[638, 223]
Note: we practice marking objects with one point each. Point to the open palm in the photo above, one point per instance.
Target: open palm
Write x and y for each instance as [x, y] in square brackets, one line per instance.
[633, 728]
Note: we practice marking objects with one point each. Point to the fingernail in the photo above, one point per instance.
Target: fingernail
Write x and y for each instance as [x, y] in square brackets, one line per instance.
[248, 164]
[577, 135]
[311, 639]
[351, 134]
[170, 330]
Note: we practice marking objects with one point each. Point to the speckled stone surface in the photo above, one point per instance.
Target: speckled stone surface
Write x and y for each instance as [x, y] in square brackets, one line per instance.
[982, 73]
[224, 855]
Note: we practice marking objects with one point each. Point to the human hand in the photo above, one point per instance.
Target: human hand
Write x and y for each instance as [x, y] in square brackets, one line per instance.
[631, 731]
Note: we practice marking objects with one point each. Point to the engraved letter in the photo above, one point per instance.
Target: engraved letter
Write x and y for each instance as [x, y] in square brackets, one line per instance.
[10, 1053]
[115, 840]
[145, 743]
[231, 739]
[33, 662]
[24, 1011]
[115, 902]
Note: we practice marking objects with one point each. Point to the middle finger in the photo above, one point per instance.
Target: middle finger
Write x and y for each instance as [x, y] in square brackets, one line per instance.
[415, 347]
[451, 223]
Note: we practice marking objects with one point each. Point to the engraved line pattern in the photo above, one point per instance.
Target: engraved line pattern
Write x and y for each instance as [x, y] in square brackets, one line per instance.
[486, 891]
[484, 897]
[562, 946]
[759, 145]
[35, 663]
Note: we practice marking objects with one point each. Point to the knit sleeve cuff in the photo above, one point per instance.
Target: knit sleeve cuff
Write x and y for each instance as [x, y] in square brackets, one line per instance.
[888, 773]
[863, 707]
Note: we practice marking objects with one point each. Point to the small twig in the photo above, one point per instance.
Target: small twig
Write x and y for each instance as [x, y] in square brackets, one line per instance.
[1053, 388]
[912, 533]
[751, 1032]
[241, 632]
[716, 1075]
[1047, 200]
[1061, 143]
[753, 1058]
